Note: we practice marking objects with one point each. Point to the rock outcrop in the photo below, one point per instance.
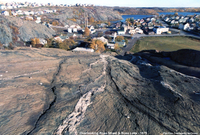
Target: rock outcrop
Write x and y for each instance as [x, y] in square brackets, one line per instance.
[51, 91]
[98, 13]
[13, 29]
[186, 57]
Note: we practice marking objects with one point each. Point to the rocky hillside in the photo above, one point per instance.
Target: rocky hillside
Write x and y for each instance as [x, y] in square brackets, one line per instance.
[13, 29]
[79, 14]
[136, 11]
[51, 91]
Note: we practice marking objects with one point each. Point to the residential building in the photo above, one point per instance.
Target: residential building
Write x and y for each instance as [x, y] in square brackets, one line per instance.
[83, 49]
[104, 40]
[5, 13]
[160, 30]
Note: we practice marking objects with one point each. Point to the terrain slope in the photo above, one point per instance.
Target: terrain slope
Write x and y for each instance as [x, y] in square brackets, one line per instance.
[51, 91]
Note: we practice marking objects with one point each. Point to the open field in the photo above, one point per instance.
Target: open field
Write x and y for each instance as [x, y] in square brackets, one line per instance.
[166, 44]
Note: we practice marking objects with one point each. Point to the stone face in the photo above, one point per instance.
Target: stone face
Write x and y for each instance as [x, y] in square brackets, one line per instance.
[32, 30]
[26, 30]
[187, 57]
[98, 13]
[51, 91]
[6, 36]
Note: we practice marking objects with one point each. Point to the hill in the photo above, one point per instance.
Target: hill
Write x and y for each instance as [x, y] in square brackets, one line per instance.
[51, 91]
[13, 29]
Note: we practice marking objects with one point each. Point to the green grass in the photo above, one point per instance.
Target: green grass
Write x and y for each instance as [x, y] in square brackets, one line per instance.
[166, 44]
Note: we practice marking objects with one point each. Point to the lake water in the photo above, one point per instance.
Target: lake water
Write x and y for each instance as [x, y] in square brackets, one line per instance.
[179, 13]
[160, 13]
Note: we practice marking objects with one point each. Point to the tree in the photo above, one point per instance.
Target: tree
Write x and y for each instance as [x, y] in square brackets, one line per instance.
[176, 14]
[128, 20]
[86, 32]
[109, 23]
[33, 42]
[10, 46]
[10, 13]
[97, 45]
[66, 44]
[54, 23]
[37, 40]
[119, 38]
[91, 20]
[117, 48]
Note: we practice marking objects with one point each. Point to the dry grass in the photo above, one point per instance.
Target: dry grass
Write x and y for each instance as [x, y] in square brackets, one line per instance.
[166, 44]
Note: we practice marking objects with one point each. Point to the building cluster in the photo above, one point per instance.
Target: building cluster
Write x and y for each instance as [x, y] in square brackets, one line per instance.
[26, 13]
[15, 5]
[187, 23]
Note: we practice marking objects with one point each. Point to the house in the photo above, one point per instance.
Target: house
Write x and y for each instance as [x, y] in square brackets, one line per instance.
[166, 19]
[83, 49]
[121, 32]
[111, 45]
[29, 18]
[26, 13]
[72, 35]
[58, 39]
[43, 41]
[181, 26]
[160, 30]
[38, 20]
[69, 30]
[172, 22]
[104, 40]
[139, 31]
[177, 18]
[191, 20]
[75, 26]
[186, 26]
[14, 13]
[121, 44]
[92, 30]
[5, 13]
[74, 29]
[2, 7]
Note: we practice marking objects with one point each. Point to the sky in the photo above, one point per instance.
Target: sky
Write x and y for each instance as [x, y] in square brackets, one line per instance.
[125, 3]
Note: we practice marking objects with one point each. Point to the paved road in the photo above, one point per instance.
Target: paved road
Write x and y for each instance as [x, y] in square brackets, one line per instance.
[129, 46]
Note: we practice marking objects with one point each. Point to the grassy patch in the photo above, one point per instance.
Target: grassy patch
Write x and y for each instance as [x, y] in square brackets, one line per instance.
[166, 44]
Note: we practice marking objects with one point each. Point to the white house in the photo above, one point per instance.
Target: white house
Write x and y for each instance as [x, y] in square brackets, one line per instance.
[111, 45]
[104, 40]
[121, 32]
[83, 49]
[42, 41]
[186, 26]
[160, 30]
[69, 30]
[2, 7]
[139, 31]
[5, 13]
[38, 20]
[75, 30]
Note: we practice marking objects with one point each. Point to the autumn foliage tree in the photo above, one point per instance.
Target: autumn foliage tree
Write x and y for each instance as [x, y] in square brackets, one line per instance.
[35, 41]
[66, 44]
[54, 23]
[86, 32]
[119, 38]
[109, 23]
[97, 45]
[91, 20]
[117, 48]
